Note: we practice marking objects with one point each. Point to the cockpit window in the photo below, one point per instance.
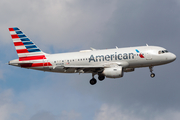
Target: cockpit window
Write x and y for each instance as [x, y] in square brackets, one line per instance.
[166, 51]
[162, 51]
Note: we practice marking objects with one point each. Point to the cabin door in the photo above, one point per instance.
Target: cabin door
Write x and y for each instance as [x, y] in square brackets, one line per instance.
[148, 56]
[45, 64]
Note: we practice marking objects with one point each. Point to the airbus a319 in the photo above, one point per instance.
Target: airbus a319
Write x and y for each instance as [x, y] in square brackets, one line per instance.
[110, 63]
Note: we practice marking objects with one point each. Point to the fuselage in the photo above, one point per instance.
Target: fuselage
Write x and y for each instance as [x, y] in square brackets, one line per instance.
[130, 57]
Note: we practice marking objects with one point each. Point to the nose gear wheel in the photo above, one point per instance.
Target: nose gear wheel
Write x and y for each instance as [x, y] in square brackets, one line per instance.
[152, 74]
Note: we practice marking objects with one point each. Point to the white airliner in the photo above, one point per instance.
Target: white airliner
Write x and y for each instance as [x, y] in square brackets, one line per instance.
[110, 63]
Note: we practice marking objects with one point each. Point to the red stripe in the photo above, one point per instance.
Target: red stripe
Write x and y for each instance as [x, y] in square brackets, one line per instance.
[18, 43]
[47, 64]
[11, 29]
[32, 58]
[36, 64]
[140, 55]
[41, 64]
[14, 36]
[22, 51]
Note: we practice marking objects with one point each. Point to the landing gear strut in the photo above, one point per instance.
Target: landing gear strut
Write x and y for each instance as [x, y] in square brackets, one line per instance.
[152, 74]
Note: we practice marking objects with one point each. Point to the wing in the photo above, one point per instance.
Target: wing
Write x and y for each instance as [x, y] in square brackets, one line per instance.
[94, 68]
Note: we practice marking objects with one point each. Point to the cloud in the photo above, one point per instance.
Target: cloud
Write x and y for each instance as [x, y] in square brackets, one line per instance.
[3, 70]
[108, 112]
[72, 115]
[1, 75]
[8, 108]
[65, 25]
[43, 116]
[62, 24]
[52, 99]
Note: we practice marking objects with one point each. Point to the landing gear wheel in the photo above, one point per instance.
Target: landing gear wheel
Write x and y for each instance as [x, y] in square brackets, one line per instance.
[101, 77]
[151, 69]
[152, 75]
[93, 81]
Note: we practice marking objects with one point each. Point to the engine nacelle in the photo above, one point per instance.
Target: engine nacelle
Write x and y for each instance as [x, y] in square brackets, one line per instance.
[114, 72]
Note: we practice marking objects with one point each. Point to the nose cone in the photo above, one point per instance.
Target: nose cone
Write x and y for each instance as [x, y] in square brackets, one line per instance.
[172, 57]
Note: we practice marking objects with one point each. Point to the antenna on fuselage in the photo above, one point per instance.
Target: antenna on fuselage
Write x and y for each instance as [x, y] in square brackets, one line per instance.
[92, 48]
[117, 47]
[147, 44]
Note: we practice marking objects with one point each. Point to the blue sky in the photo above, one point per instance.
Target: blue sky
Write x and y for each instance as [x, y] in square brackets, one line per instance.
[72, 25]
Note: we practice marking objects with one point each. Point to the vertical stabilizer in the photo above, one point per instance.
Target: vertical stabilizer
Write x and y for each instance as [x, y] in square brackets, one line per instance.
[25, 48]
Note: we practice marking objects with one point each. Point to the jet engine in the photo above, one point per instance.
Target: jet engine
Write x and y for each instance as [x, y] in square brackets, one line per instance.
[113, 72]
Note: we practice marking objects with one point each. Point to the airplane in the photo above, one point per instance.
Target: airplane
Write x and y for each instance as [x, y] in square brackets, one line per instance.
[109, 63]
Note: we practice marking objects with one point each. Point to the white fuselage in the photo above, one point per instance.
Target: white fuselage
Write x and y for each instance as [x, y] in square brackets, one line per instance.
[126, 57]
[110, 63]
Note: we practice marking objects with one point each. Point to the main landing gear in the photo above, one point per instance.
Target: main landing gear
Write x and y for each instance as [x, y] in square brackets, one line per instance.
[101, 77]
[93, 81]
[152, 74]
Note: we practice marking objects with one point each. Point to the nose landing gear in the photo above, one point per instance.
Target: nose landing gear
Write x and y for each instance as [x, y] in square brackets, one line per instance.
[152, 74]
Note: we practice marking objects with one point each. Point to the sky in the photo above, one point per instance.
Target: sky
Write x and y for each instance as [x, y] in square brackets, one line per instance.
[59, 26]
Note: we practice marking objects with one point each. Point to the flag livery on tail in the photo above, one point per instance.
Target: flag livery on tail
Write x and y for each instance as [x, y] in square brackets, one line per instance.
[24, 46]
[26, 49]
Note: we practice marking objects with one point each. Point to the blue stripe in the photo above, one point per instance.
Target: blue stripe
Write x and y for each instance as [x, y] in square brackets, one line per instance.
[34, 50]
[21, 36]
[28, 43]
[31, 46]
[137, 51]
[19, 32]
[25, 39]
[15, 28]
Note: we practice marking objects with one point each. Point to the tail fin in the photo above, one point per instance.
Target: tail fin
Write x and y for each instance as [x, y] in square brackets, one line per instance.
[25, 48]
